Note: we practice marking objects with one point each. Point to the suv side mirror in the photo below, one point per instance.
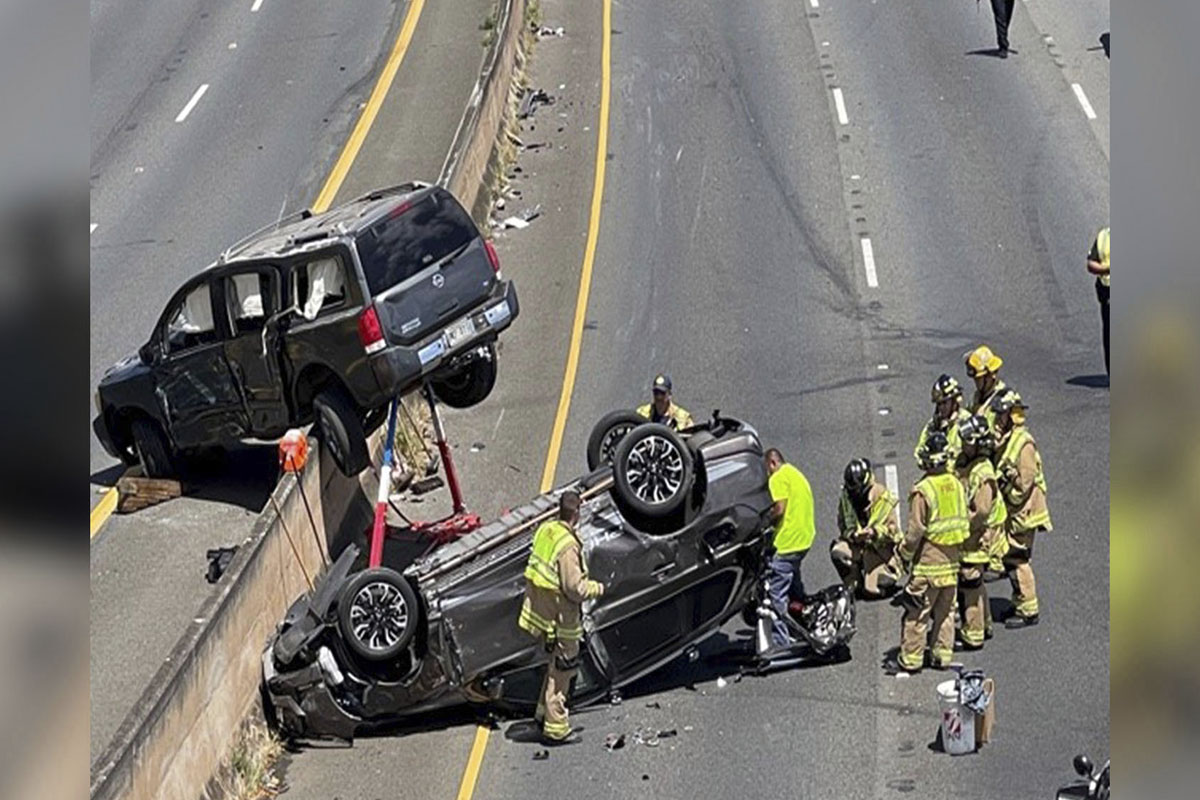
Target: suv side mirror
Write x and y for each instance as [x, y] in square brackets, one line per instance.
[1083, 766]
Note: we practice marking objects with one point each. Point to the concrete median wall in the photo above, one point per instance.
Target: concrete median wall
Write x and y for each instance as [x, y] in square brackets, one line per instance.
[180, 730]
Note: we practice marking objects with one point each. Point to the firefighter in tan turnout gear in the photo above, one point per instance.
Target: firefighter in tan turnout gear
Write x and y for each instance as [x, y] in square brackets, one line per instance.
[983, 367]
[948, 412]
[1023, 487]
[937, 527]
[987, 515]
[556, 586]
[864, 554]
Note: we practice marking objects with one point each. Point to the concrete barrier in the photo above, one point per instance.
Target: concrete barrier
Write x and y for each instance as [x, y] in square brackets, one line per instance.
[180, 730]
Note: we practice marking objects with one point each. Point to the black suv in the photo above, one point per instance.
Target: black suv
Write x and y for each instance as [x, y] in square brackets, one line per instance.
[319, 316]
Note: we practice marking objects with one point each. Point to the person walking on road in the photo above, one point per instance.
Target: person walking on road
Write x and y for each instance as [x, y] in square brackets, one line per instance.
[1098, 265]
[864, 554]
[987, 515]
[662, 408]
[556, 584]
[1022, 484]
[1002, 11]
[795, 529]
[948, 412]
[937, 526]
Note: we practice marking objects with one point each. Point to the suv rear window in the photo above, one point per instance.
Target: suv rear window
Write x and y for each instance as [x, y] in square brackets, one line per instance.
[399, 246]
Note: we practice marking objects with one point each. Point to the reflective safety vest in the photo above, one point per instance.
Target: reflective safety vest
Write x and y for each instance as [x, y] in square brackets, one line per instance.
[949, 522]
[676, 417]
[948, 427]
[1103, 242]
[878, 514]
[549, 542]
[1025, 512]
[543, 611]
[981, 470]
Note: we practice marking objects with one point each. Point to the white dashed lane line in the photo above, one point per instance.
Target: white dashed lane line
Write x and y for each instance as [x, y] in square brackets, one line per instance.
[892, 481]
[257, 5]
[192, 103]
[869, 262]
[1083, 101]
[815, 3]
[840, 102]
[93, 228]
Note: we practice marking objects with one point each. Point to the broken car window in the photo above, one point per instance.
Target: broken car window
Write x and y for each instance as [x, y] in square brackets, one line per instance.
[244, 299]
[320, 285]
[398, 247]
[192, 323]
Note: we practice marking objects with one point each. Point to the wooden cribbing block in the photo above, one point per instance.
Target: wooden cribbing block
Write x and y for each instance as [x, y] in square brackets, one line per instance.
[135, 492]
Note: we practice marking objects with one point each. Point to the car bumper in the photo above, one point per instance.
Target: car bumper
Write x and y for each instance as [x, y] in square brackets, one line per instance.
[400, 367]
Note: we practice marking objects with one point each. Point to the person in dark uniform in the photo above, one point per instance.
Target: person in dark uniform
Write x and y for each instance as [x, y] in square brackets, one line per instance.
[1002, 10]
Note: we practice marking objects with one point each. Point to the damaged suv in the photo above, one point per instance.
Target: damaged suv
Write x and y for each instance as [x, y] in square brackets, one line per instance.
[674, 528]
[319, 316]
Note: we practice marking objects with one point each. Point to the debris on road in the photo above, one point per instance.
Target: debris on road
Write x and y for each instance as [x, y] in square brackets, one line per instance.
[614, 742]
[531, 100]
[426, 485]
[541, 755]
[218, 562]
[655, 704]
[722, 683]
[546, 32]
[614, 697]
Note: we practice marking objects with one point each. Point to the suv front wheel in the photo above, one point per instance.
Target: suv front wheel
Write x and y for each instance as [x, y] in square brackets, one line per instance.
[341, 430]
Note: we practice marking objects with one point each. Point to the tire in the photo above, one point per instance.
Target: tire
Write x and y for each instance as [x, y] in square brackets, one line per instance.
[341, 430]
[652, 471]
[153, 449]
[377, 614]
[470, 382]
[608, 433]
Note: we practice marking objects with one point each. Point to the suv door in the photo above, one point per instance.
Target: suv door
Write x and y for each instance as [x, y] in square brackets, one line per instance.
[251, 305]
[425, 265]
[200, 400]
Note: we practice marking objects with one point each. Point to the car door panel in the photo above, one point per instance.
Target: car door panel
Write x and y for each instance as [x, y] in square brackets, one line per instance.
[251, 298]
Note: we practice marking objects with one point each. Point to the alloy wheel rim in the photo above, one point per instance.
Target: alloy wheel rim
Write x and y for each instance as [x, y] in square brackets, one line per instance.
[378, 615]
[611, 439]
[654, 469]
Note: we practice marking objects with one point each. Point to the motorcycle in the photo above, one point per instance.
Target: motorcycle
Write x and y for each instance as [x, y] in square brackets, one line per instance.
[821, 624]
[1094, 785]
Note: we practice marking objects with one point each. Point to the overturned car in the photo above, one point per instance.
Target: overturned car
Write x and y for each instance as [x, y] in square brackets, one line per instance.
[674, 527]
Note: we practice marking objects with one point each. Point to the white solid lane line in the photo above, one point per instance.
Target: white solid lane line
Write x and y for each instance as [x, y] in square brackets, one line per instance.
[869, 262]
[1083, 101]
[840, 102]
[257, 5]
[93, 228]
[192, 103]
[815, 4]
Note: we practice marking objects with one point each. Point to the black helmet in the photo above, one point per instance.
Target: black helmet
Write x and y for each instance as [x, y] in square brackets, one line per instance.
[945, 388]
[935, 452]
[975, 431]
[1006, 401]
[858, 477]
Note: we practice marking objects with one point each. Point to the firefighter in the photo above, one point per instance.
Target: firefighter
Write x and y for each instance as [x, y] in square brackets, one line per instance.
[937, 526]
[987, 515]
[556, 584]
[662, 408]
[983, 367]
[864, 554]
[1022, 484]
[948, 412]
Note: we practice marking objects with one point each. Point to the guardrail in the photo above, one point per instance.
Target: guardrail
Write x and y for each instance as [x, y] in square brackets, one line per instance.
[176, 736]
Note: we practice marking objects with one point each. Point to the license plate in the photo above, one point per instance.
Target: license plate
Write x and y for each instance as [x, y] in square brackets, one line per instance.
[459, 332]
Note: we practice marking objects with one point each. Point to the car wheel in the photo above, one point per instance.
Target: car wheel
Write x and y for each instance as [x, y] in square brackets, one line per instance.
[152, 448]
[341, 430]
[377, 614]
[468, 384]
[608, 433]
[652, 471]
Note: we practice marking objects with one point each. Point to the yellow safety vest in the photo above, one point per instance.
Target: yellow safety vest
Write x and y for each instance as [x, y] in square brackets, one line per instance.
[1019, 437]
[549, 542]
[1102, 249]
[676, 417]
[949, 523]
[953, 440]
[981, 470]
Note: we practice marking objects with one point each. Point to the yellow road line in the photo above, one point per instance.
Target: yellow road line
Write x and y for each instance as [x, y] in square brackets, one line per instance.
[103, 510]
[333, 183]
[359, 135]
[589, 257]
[466, 788]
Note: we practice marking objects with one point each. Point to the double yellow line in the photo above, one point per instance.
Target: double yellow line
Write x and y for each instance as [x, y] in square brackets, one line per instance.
[466, 788]
[333, 183]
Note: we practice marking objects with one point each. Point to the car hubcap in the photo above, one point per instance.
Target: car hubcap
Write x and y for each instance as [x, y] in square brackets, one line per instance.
[378, 615]
[655, 470]
[611, 440]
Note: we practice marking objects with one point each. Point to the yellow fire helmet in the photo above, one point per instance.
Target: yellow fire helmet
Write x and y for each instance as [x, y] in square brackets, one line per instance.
[982, 360]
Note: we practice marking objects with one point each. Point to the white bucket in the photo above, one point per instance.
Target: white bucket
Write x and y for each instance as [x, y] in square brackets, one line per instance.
[958, 721]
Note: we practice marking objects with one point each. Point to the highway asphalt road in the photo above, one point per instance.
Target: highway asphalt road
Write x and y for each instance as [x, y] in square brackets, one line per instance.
[285, 85]
[739, 193]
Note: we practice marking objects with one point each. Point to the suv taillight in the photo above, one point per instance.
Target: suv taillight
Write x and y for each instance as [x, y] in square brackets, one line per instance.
[492, 257]
[370, 332]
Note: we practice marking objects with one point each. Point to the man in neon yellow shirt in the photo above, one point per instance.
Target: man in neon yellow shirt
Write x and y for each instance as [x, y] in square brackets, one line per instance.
[795, 530]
